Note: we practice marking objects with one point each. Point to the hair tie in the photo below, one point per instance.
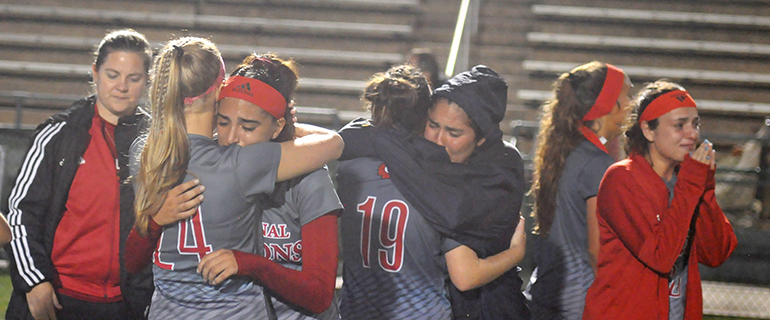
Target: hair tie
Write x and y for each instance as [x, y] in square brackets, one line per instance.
[268, 63]
[179, 51]
[263, 59]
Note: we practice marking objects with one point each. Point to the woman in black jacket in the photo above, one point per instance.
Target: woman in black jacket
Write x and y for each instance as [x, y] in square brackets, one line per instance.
[71, 208]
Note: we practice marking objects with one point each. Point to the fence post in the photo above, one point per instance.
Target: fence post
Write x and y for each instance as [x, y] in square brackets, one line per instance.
[764, 172]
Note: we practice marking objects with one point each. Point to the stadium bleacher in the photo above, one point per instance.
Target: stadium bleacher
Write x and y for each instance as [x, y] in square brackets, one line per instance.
[66, 14]
[649, 44]
[717, 49]
[45, 48]
[537, 97]
[652, 73]
[651, 16]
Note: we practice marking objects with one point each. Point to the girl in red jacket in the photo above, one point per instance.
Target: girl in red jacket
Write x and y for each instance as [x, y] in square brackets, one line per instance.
[658, 217]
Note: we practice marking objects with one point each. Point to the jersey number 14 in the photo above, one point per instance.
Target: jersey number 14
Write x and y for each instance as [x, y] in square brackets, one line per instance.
[198, 247]
[392, 226]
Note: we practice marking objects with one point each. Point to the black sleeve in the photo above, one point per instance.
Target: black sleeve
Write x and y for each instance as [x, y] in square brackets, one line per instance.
[357, 136]
[28, 205]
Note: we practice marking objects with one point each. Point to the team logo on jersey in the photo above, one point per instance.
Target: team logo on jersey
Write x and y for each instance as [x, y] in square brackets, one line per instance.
[283, 252]
[275, 231]
[383, 171]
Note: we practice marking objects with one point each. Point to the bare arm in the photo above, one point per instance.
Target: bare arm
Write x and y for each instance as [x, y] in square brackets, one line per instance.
[5, 231]
[468, 272]
[593, 232]
[313, 147]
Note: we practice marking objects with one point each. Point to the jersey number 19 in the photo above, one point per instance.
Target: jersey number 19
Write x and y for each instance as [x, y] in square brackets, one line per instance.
[393, 218]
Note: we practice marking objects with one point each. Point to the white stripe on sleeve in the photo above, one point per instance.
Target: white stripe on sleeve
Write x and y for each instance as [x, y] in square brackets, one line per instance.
[19, 244]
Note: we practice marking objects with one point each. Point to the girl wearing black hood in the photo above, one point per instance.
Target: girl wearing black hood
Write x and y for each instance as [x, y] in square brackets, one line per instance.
[465, 121]
[463, 181]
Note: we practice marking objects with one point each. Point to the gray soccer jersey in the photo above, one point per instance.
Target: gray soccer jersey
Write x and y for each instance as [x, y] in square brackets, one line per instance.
[393, 259]
[234, 177]
[308, 198]
[559, 283]
[677, 278]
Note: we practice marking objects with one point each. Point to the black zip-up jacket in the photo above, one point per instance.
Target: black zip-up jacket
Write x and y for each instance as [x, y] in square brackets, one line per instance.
[37, 203]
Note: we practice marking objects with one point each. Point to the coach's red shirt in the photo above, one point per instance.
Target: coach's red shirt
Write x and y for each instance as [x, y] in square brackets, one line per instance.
[86, 243]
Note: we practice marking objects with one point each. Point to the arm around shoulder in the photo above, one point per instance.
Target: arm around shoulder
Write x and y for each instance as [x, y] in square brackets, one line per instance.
[313, 147]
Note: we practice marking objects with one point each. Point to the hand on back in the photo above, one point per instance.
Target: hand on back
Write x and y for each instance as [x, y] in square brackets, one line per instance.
[181, 203]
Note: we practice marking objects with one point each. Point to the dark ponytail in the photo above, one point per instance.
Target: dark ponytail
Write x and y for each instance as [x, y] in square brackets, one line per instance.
[575, 94]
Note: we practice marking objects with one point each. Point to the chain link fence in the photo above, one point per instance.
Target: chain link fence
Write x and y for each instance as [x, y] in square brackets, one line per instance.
[736, 300]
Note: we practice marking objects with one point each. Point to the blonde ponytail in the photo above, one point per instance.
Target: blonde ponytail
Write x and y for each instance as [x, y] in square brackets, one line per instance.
[177, 74]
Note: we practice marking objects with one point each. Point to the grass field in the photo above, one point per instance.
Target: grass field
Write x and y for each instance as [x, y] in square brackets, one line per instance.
[5, 291]
[5, 294]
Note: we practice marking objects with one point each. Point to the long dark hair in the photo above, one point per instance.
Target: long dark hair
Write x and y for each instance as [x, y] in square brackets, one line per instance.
[575, 94]
[636, 142]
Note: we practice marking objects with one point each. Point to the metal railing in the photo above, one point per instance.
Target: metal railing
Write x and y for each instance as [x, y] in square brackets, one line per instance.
[21, 99]
[467, 25]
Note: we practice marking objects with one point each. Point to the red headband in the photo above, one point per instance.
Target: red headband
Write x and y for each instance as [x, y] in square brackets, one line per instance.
[217, 82]
[665, 103]
[608, 97]
[256, 92]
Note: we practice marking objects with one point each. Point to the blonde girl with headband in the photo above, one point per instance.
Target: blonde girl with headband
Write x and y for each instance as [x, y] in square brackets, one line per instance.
[186, 80]
[658, 217]
[591, 104]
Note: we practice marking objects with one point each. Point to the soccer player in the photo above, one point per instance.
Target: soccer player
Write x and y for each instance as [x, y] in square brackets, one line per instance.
[592, 103]
[299, 220]
[187, 76]
[399, 252]
[658, 215]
